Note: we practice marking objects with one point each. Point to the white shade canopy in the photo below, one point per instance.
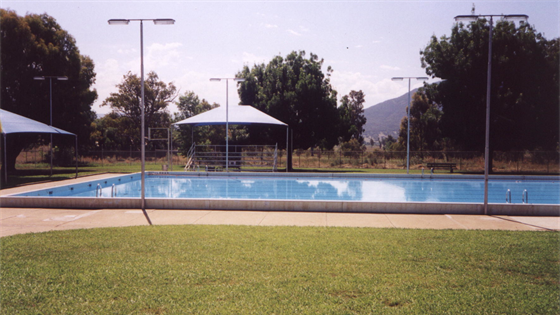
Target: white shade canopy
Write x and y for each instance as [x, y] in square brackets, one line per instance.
[237, 115]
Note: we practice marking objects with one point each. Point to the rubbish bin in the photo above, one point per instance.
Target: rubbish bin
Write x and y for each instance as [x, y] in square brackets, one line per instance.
[164, 168]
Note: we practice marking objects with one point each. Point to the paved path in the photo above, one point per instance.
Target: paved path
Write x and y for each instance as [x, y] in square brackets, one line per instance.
[20, 220]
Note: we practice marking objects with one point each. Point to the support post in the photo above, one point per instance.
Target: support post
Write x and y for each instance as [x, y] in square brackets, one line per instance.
[487, 136]
[4, 165]
[76, 149]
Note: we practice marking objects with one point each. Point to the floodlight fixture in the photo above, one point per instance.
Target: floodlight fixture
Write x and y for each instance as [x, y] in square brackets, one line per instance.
[118, 22]
[506, 17]
[466, 18]
[43, 78]
[127, 21]
[164, 21]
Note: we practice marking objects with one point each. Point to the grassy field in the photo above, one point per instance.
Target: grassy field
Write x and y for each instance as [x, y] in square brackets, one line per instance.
[279, 270]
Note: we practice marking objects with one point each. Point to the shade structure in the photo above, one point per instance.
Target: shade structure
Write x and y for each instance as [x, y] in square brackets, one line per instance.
[14, 123]
[11, 123]
[238, 115]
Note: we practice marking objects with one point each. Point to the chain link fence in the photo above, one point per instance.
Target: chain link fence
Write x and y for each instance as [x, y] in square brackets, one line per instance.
[542, 162]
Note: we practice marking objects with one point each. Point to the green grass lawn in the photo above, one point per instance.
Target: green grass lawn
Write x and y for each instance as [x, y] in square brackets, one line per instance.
[279, 270]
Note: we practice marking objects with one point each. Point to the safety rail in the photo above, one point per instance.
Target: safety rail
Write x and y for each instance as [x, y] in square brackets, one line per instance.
[240, 157]
[525, 196]
[98, 191]
[190, 157]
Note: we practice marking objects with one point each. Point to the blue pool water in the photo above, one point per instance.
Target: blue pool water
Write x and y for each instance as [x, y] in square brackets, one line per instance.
[369, 189]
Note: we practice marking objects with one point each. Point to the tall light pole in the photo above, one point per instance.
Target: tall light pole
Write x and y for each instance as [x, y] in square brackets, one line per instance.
[408, 118]
[51, 77]
[473, 18]
[142, 135]
[227, 118]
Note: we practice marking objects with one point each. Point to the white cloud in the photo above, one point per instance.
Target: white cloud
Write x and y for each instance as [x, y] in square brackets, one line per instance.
[376, 90]
[271, 26]
[294, 33]
[250, 59]
[386, 67]
[359, 46]
[158, 56]
[109, 74]
[376, 41]
[127, 51]
[199, 83]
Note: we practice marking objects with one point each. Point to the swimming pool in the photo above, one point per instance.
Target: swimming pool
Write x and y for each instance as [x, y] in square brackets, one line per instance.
[313, 192]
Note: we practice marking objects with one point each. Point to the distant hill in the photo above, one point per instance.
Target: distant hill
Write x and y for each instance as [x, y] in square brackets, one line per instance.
[385, 118]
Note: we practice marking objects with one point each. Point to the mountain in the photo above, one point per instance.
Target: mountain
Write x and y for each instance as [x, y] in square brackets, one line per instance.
[384, 119]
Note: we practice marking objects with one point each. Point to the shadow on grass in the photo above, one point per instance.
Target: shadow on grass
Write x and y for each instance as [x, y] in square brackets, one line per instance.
[23, 177]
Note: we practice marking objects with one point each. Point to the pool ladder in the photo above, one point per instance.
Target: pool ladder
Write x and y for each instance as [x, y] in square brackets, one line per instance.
[524, 197]
[99, 191]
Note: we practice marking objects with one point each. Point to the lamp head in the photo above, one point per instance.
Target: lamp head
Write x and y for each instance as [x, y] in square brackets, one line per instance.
[118, 22]
[466, 18]
[397, 79]
[516, 18]
[164, 21]
[39, 78]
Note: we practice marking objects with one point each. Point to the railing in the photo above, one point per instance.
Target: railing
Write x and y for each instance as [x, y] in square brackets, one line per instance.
[240, 157]
[190, 157]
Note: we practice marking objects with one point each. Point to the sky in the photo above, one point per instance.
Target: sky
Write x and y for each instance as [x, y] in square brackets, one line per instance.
[365, 42]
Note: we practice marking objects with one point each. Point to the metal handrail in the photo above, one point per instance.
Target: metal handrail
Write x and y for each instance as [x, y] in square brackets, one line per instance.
[190, 157]
[212, 157]
[99, 191]
[525, 196]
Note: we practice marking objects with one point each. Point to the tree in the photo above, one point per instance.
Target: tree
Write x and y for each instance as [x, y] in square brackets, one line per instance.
[190, 105]
[111, 132]
[352, 117]
[425, 116]
[525, 88]
[126, 103]
[296, 91]
[36, 45]
[387, 143]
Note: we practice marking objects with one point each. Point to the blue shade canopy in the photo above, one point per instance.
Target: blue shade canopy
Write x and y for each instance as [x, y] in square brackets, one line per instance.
[237, 115]
[13, 123]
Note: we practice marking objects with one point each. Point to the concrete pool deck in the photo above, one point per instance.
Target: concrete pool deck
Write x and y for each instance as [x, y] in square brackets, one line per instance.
[33, 220]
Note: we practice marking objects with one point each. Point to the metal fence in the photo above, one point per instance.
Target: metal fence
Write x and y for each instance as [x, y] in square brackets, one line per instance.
[547, 162]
